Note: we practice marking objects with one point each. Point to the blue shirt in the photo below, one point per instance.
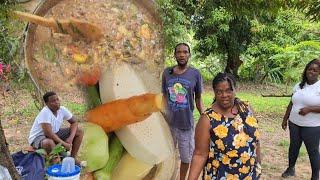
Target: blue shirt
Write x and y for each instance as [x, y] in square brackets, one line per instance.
[180, 90]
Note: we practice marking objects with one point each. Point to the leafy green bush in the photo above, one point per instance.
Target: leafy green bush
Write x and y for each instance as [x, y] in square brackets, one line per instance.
[281, 48]
[9, 41]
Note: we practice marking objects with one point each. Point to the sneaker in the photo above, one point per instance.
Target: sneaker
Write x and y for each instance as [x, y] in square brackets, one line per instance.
[288, 172]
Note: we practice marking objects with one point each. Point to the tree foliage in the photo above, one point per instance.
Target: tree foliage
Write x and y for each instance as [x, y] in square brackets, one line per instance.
[8, 43]
[11, 32]
[310, 7]
[262, 34]
[224, 27]
[8, 49]
[176, 25]
[280, 47]
[221, 26]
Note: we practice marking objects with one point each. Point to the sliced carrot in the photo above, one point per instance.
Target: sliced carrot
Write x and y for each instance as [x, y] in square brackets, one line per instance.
[119, 113]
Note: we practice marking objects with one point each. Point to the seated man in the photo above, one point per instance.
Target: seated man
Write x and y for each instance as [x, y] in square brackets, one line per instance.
[46, 133]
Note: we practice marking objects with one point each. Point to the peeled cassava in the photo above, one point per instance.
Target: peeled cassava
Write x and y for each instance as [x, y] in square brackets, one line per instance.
[130, 168]
[147, 140]
[94, 147]
[167, 169]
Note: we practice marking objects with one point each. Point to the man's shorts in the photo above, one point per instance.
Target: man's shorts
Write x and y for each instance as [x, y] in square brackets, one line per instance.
[185, 141]
[63, 134]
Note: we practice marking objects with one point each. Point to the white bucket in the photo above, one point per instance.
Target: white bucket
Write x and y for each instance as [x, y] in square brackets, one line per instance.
[76, 177]
[54, 173]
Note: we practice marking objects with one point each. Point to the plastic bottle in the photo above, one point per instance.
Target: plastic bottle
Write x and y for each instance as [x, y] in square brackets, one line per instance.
[65, 171]
[4, 173]
[68, 165]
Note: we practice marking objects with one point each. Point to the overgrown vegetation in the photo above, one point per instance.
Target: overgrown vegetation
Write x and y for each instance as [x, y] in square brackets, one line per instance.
[281, 47]
[259, 41]
[10, 39]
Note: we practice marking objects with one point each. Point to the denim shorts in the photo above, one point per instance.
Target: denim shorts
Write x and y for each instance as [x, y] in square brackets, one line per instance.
[185, 141]
[63, 134]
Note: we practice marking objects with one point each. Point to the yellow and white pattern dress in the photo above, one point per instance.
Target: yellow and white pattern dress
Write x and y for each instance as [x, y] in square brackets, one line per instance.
[232, 151]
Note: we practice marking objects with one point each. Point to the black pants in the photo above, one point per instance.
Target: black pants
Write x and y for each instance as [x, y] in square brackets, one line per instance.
[310, 136]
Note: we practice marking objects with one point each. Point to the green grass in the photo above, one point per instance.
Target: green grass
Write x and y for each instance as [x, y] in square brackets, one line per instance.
[265, 104]
[75, 108]
[267, 128]
[284, 143]
[30, 110]
[259, 104]
[25, 111]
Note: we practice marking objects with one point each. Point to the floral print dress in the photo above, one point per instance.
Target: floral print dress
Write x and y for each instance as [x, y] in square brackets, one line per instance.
[232, 151]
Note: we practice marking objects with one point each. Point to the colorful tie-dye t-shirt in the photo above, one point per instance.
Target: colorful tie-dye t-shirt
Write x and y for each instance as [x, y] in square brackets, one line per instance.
[232, 150]
[180, 90]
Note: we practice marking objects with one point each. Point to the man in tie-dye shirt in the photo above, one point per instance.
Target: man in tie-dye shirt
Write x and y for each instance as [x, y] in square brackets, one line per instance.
[182, 86]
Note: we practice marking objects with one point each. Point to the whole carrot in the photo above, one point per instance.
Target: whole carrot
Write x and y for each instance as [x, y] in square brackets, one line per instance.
[119, 113]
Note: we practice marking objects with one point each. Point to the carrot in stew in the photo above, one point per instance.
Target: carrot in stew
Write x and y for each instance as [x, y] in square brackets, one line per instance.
[90, 76]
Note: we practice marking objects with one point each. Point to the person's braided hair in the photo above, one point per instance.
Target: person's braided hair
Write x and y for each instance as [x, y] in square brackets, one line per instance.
[221, 77]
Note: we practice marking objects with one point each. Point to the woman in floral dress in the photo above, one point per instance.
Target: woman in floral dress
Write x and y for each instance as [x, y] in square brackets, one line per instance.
[226, 137]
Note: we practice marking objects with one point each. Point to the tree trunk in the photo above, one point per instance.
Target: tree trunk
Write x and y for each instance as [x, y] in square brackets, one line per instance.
[236, 41]
[5, 157]
[233, 63]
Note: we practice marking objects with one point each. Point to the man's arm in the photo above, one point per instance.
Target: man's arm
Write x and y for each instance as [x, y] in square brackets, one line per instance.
[47, 130]
[199, 105]
[73, 129]
[198, 91]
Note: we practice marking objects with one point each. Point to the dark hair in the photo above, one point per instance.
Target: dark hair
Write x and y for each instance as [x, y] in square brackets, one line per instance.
[242, 107]
[220, 77]
[304, 74]
[185, 44]
[47, 95]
